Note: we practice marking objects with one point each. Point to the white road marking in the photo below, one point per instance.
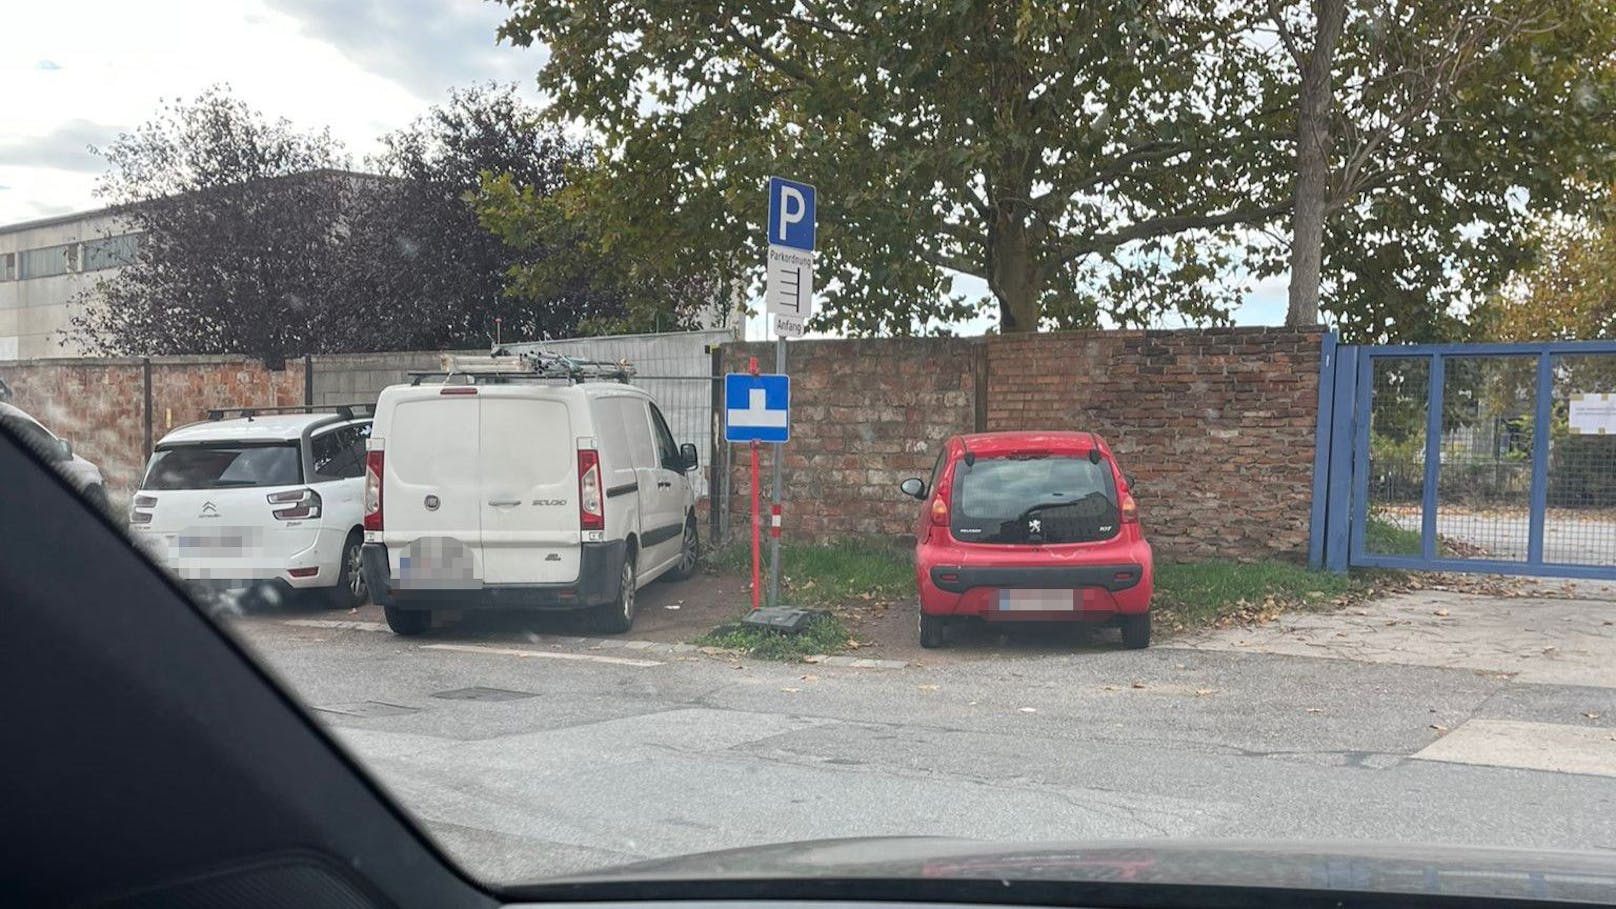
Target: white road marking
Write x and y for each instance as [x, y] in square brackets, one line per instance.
[1529, 746]
[542, 654]
[333, 623]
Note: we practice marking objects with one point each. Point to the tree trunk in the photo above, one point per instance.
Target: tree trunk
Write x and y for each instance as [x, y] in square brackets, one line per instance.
[1313, 144]
[1013, 272]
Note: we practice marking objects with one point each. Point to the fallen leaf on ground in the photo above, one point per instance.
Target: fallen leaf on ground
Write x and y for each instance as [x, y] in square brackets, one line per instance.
[927, 687]
[1112, 688]
[1315, 710]
[810, 678]
[1439, 727]
[1592, 715]
[1138, 684]
[791, 690]
[1442, 613]
[1029, 709]
[1203, 692]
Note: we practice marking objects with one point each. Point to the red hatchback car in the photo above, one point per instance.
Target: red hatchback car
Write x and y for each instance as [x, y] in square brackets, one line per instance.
[1030, 526]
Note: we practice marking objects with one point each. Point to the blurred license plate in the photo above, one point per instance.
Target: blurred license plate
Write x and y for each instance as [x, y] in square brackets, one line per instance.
[220, 541]
[1040, 600]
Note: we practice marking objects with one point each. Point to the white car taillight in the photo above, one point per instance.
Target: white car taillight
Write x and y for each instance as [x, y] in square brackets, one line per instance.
[140, 510]
[300, 504]
[375, 460]
[591, 507]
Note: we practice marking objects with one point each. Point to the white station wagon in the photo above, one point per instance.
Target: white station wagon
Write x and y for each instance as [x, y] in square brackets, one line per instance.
[267, 501]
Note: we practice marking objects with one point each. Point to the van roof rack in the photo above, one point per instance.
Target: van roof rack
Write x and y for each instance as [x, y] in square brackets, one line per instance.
[345, 411]
[525, 361]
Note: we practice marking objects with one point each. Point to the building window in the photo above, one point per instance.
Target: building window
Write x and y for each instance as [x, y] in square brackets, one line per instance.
[110, 252]
[48, 261]
[8, 266]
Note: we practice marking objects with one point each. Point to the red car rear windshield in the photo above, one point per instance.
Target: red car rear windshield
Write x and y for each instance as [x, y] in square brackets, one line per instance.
[1034, 499]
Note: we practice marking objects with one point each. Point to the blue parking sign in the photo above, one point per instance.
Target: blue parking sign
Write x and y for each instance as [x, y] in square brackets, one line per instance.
[791, 214]
[757, 408]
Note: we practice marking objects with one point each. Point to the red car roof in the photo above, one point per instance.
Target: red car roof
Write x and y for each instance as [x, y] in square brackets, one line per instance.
[989, 444]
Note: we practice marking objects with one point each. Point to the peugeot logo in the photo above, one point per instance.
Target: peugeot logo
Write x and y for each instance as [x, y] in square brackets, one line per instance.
[1035, 526]
[431, 503]
[209, 510]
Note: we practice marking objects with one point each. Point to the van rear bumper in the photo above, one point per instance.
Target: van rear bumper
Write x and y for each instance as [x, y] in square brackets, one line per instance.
[600, 577]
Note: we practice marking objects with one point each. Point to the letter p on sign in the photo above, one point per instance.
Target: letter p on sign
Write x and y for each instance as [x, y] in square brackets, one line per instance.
[791, 214]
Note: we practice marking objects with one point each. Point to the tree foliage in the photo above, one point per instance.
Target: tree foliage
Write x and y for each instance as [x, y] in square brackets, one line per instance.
[1076, 158]
[1461, 123]
[253, 239]
[239, 223]
[1570, 292]
[1091, 162]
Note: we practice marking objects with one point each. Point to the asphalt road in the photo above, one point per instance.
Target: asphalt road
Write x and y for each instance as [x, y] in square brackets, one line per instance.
[594, 757]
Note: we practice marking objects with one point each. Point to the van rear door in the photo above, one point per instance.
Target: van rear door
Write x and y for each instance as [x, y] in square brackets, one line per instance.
[529, 487]
[430, 484]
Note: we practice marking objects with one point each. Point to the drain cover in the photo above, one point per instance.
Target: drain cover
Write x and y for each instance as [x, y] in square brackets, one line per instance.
[369, 708]
[484, 694]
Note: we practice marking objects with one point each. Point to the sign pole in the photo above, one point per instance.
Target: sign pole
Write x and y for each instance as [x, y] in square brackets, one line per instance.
[774, 514]
[757, 523]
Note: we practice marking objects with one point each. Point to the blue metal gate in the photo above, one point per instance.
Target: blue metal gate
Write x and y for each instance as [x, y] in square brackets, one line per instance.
[1497, 458]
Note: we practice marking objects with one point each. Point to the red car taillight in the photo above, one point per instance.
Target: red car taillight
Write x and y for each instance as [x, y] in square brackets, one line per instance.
[299, 504]
[591, 503]
[1130, 509]
[374, 461]
[939, 506]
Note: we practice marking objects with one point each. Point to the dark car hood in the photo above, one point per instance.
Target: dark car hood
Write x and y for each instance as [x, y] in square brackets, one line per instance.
[1378, 868]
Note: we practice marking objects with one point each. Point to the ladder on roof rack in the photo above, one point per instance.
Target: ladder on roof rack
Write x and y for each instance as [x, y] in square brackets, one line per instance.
[525, 361]
[345, 411]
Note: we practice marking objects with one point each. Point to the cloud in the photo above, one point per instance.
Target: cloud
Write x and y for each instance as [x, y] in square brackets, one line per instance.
[47, 65]
[428, 46]
[66, 147]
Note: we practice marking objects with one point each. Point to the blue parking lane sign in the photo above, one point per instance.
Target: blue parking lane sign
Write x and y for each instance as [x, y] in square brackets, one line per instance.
[757, 408]
[791, 214]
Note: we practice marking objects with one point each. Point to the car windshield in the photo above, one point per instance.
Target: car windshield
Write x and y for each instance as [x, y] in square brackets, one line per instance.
[663, 428]
[218, 465]
[1035, 498]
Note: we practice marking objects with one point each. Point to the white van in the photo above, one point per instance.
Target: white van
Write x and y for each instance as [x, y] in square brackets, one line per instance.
[518, 493]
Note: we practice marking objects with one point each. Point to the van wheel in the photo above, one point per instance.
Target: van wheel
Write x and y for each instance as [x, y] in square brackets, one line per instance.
[1135, 631]
[618, 617]
[408, 622]
[689, 554]
[350, 592]
[931, 631]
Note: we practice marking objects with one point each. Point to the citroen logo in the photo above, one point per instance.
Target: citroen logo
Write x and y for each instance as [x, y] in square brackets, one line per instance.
[209, 510]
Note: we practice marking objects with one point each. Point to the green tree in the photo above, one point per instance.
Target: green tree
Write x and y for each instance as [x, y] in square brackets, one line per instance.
[1430, 135]
[1081, 159]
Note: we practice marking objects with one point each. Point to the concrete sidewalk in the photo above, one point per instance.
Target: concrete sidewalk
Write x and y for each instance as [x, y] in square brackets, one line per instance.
[1530, 640]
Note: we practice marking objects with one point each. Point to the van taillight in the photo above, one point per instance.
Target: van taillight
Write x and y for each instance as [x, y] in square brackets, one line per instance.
[591, 503]
[374, 460]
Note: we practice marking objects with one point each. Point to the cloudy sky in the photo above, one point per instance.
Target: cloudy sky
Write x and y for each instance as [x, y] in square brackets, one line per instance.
[79, 72]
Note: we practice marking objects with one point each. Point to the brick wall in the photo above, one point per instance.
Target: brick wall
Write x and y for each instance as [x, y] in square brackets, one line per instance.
[97, 404]
[101, 405]
[865, 414]
[1216, 426]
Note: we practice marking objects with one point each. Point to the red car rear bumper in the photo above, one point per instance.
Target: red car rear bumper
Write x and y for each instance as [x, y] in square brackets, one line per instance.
[1108, 581]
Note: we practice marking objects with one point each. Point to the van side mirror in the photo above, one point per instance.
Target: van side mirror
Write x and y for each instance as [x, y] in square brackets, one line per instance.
[914, 487]
[688, 455]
